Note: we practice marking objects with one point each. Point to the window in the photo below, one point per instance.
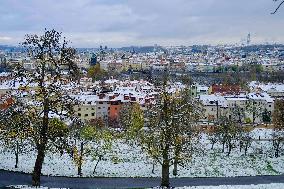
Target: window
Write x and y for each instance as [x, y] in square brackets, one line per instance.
[79, 114]
[93, 114]
[269, 106]
[86, 115]
[100, 102]
[79, 109]
[99, 108]
[108, 108]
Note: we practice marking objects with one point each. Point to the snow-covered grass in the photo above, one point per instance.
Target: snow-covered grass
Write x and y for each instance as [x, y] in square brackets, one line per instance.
[260, 186]
[29, 187]
[129, 161]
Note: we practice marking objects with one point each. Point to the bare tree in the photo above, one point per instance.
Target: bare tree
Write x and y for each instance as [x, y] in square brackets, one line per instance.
[280, 3]
[229, 133]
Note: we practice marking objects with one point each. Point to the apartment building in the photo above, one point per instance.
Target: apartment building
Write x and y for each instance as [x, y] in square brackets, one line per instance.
[242, 107]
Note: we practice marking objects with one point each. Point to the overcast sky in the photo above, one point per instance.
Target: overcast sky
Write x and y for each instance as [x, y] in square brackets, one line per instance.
[90, 23]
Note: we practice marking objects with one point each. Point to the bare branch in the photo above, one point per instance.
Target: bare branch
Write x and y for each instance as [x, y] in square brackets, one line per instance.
[278, 6]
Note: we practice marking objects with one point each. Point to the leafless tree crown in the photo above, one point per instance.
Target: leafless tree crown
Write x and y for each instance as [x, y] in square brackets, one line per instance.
[279, 5]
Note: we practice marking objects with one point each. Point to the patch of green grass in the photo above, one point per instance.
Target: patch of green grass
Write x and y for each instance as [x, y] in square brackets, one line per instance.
[270, 168]
[216, 171]
[116, 160]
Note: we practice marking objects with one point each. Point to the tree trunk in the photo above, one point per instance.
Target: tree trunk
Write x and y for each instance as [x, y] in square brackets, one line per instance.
[253, 118]
[175, 170]
[176, 160]
[100, 158]
[165, 174]
[277, 144]
[17, 154]
[153, 168]
[223, 147]
[81, 159]
[229, 149]
[212, 146]
[38, 165]
[217, 111]
[41, 146]
[240, 118]
[246, 148]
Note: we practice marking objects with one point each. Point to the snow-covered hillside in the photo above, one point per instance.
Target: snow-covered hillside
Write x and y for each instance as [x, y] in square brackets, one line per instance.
[129, 161]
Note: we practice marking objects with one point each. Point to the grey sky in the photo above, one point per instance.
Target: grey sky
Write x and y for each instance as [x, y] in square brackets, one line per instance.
[89, 23]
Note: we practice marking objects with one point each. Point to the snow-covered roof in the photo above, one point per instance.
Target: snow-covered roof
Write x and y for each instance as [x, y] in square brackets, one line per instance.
[239, 97]
[211, 100]
[5, 74]
[270, 87]
[111, 81]
[88, 99]
[260, 96]
[202, 88]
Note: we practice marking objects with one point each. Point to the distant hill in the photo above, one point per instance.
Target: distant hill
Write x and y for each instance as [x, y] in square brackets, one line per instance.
[10, 48]
[254, 48]
[141, 49]
[149, 49]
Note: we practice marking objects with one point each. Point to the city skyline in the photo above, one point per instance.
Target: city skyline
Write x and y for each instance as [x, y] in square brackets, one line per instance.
[90, 23]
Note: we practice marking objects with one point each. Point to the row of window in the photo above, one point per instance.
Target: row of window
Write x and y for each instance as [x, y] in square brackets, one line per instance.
[86, 115]
[90, 102]
[241, 109]
[79, 109]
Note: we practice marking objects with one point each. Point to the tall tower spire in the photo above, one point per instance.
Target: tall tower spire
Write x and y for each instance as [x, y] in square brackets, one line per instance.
[248, 39]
